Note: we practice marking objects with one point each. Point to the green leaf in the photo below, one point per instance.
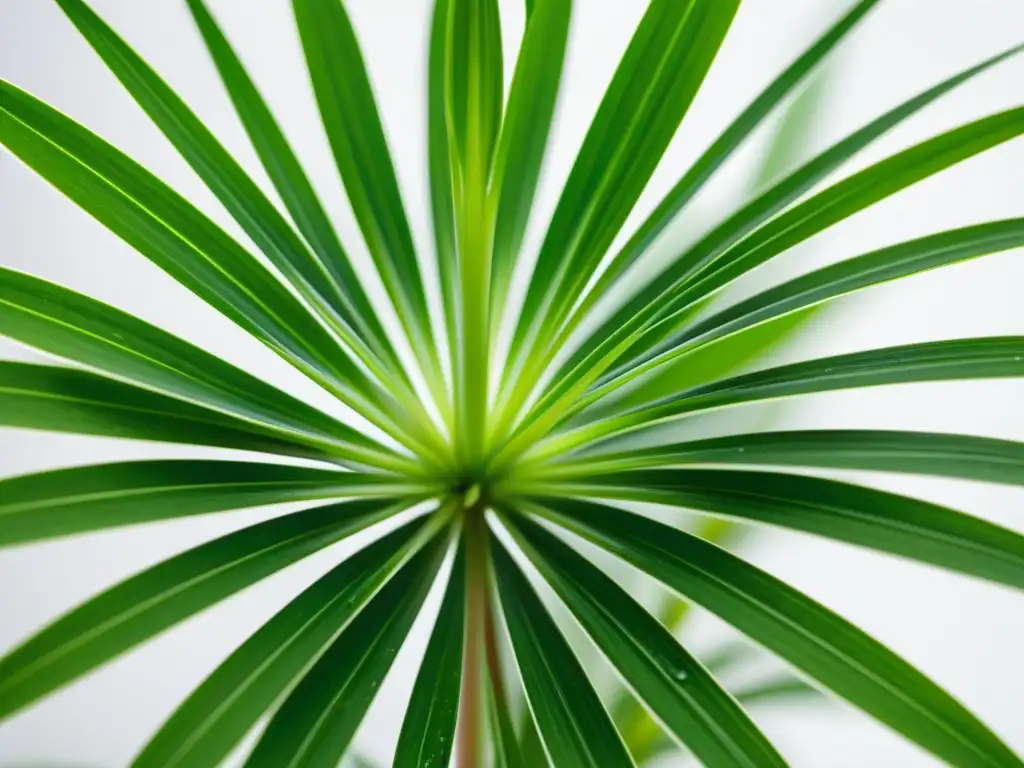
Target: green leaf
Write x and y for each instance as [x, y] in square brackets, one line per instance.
[150, 602]
[654, 85]
[962, 359]
[673, 684]
[524, 135]
[574, 725]
[171, 233]
[316, 722]
[72, 401]
[350, 117]
[796, 628]
[983, 459]
[76, 327]
[65, 501]
[428, 728]
[673, 290]
[439, 160]
[875, 519]
[716, 155]
[473, 100]
[871, 269]
[339, 283]
[217, 715]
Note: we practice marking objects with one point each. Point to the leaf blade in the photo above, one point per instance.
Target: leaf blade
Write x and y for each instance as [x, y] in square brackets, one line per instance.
[794, 627]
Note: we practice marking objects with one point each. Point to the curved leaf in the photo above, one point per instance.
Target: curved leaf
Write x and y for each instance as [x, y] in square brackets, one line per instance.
[796, 628]
[428, 728]
[875, 519]
[65, 501]
[316, 722]
[573, 723]
[673, 684]
[158, 598]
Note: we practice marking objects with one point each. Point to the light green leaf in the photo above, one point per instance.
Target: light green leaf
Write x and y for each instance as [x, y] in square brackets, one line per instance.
[350, 117]
[315, 724]
[672, 684]
[141, 607]
[574, 725]
[216, 716]
[428, 729]
[65, 501]
[875, 519]
[796, 628]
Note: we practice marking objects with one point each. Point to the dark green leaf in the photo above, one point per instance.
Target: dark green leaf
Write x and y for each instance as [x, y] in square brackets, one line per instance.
[340, 284]
[175, 236]
[428, 729]
[876, 519]
[156, 599]
[66, 501]
[984, 459]
[963, 359]
[316, 722]
[76, 327]
[208, 725]
[673, 684]
[801, 631]
[574, 725]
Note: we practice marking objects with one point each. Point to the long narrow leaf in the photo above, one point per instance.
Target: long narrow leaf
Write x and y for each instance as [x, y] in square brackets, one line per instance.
[673, 684]
[963, 359]
[350, 117]
[983, 459]
[206, 727]
[65, 501]
[156, 599]
[76, 327]
[888, 522]
[296, 191]
[574, 725]
[171, 233]
[801, 631]
[656, 81]
[316, 722]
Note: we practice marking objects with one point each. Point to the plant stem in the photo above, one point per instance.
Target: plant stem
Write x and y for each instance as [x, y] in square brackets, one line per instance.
[469, 747]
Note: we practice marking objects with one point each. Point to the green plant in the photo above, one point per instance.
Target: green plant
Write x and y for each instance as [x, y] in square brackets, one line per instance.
[488, 471]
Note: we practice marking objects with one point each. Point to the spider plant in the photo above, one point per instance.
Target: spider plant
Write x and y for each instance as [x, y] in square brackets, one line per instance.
[491, 438]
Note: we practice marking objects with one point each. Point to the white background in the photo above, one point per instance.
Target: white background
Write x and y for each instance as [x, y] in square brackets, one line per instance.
[969, 636]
